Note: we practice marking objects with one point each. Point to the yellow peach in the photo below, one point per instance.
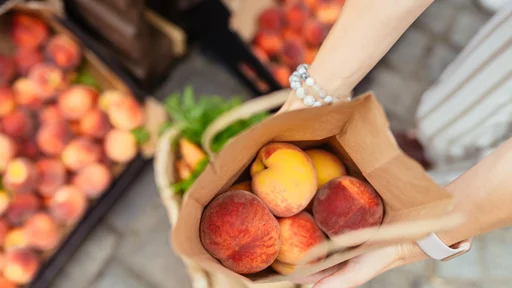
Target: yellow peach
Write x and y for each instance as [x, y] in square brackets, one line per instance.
[327, 165]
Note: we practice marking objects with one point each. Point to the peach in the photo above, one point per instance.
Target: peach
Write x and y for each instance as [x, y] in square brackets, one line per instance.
[291, 34]
[20, 175]
[310, 55]
[327, 165]
[4, 229]
[7, 103]
[120, 146]
[8, 148]
[93, 180]
[52, 175]
[293, 52]
[49, 80]
[281, 74]
[21, 266]
[41, 232]
[18, 124]
[29, 149]
[4, 283]
[53, 137]
[345, 204]
[68, 204]
[7, 69]
[5, 200]
[283, 268]
[108, 97]
[191, 153]
[126, 113]
[15, 239]
[284, 177]
[260, 54]
[64, 52]
[238, 230]
[22, 207]
[270, 42]
[315, 32]
[184, 172]
[28, 31]
[81, 152]
[311, 4]
[76, 101]
[26, 94]
[95, 124]
[271, 19]
[74, 126]
[296, 15]
[299, 233]
[245, 186]
[327, 12]
[50, 113]
[27, 58]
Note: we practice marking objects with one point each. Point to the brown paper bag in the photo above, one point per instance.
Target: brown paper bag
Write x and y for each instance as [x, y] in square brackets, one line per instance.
[358, 132]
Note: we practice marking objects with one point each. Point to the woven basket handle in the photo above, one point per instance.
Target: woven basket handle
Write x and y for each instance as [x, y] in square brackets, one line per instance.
[245, 110]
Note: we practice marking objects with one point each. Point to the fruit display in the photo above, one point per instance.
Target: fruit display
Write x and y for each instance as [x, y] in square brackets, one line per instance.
[62, 141]
[291, 32]
[295, 200]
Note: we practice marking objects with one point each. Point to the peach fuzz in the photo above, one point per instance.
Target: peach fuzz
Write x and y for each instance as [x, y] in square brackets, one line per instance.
[68, 204]
[21, 266]
[20, 175]
[93, 179]
[81, 152]
[120, 146]
[239, 230]
[126, 113]
[327, 165]
[346, 204]
[48, 79]
[76, 101]
[53, 137]
[41, 232]
[8, 148]
[283, 177]
[95, 124]
[299, 233]
[52, 175]
[28, 31]
[22, 207]
[7, 103]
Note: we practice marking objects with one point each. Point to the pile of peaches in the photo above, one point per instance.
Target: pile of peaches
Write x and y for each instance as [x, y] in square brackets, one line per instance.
[295, 199]
[60, 145]
[291, 33]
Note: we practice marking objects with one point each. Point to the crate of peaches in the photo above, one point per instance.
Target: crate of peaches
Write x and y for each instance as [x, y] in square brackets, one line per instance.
[63, 139]
[306, 190]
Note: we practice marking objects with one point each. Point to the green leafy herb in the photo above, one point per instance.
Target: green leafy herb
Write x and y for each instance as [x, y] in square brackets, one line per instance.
[232, 130]
[86, 78]
[141, 135]
[182, 186]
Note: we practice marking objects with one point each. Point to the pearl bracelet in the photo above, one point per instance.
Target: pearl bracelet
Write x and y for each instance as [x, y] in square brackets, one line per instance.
[301, 76]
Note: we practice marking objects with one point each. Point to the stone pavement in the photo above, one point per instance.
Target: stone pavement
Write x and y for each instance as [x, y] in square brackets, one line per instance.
[130, 248]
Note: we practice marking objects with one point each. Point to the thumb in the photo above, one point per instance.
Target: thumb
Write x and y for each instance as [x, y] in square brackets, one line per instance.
[361, 269]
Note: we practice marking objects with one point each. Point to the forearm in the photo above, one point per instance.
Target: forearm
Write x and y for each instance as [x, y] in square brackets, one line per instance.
[364, 32]
[484, 195]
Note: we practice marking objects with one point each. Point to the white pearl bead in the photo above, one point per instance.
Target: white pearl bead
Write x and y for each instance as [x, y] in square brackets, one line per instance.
[309, 100]
[301, 93]
[302, 68]
[295, 85]
[295, 73]
[328, 99]
[310, 81]
[317, 104]
[293, 78]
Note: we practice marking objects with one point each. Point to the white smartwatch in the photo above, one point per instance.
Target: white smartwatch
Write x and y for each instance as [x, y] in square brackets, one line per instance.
[436, 249]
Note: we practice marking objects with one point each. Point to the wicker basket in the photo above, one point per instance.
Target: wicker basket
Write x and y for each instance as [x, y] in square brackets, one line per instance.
[164, 175]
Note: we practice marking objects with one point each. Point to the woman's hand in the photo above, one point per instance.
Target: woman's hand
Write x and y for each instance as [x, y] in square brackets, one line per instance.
[359, 270]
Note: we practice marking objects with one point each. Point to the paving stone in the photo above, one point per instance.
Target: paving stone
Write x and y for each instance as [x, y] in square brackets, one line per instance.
[465, 267]
[440, 56]
[116, 276]
[466, 25]
[497, 253]
[438, 17]
[409, 53]
[88, 261]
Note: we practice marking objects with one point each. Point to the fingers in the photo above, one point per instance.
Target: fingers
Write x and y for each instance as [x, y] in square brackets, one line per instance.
[361, 269]
[320, 275]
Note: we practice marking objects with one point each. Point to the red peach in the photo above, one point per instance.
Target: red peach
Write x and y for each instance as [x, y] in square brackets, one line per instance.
[76, 101]
[345, 204]
[315, 32]
[50, 113]
[52, 175]
[271, 19]
[269, 42]
[126, 113]
[296, 15]
[4, 283]
[7, 69]
[18, 124]
[292, 53]
[120, 146]
[49, 80]
[311, 4]
[95, 124]
[22, 207]
[21, 266]
[93, 180]
[68, 204]
[5, 201]
[53, 137]
[27, 95]
[81, 152]
[239, 230]
[41, 232]
[26, 58]
[4, 228]
[7, 103]
[8, 148]
[20, 175]
[28, 31]
[64, 52]
[281, 74]
[29, 149]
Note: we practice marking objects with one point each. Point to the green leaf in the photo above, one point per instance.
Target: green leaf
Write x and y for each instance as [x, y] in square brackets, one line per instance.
[182, 186]
[141, 135]
[86, 78]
